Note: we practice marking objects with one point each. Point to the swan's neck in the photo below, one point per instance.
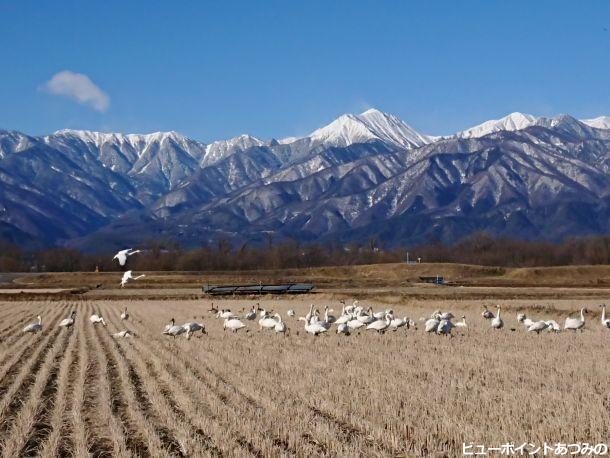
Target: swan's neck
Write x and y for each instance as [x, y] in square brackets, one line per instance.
[603, 313]
[582, 314]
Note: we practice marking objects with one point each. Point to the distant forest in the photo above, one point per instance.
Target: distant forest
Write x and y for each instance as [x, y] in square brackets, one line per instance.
[478, 249]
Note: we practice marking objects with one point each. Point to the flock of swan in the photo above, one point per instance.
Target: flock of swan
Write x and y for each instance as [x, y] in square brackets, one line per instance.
[95, 318]
[357, 318]
[353, 318]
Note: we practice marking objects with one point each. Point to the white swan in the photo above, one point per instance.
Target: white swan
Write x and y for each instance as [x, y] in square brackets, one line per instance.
[124, 334]
[128, 276]
[344, 318]
[431, 324]
[192, 327]
[552, 325]
[444, 327]
[461, 324]
[487, 314]
[67, 322]
[574, 324]
[366, 318]
[251, 315]
[173, 329]
[280, 326]
[125, 315]
[380, 325]
[605, 321]
[313, 327]
[497, 322]
[399, 322]
[122, 255]
[350, 308]
[233, 324]
[537, 327]
[327, 317]
[381, 315]
[95, 319]
[266, 322]
[343, 328]
[522, 318]
[34, 327]
[226, 313]
[355, 323]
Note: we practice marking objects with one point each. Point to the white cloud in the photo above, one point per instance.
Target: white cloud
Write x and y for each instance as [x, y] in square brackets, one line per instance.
[79, 87]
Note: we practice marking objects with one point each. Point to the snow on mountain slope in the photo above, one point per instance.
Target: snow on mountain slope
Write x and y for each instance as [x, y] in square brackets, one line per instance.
[219, 150]
[601, 122]
[514, 121]
[371, 125]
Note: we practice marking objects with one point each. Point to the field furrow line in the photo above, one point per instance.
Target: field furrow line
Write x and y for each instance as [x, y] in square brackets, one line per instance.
[58, 441]
[183, 378]
[98, 436]
[154, 425]
[77, 444]
[17, 358]
[135, 409]
[108, 402]
[263, 399]
[182, 410]
[24, 375]
[187, 404]
[190, 376]
[32, 424]
[165, 408]
[17, 318]
[343, 427]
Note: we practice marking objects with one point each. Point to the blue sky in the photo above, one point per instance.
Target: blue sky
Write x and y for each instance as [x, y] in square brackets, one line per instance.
[213, 70]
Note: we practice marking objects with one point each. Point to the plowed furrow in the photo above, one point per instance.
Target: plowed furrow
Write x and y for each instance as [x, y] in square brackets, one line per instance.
[22, 377]
[58, 443]
[77, 444]
[345, 432]
[33, 423]
[99, 443]
[109, 399]
[187, 405]
[170, 443]
[135, 408]
[23, 400]
[186, 388]
[205, 443]
[189, 376]
[165, 407]
[20, 357]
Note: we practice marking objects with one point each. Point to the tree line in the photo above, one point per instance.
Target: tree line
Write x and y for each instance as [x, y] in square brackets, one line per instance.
[478, 249]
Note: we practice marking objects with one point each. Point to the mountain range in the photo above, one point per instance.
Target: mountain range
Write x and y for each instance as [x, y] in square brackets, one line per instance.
[360, 177]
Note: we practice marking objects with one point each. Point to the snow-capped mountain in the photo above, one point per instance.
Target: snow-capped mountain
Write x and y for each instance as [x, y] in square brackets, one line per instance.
[371, 125]
[219, 150]
[601, 122]
[511, 122]
[360, 176]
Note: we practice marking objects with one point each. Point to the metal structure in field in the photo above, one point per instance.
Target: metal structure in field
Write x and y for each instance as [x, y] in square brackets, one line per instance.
[287, 288]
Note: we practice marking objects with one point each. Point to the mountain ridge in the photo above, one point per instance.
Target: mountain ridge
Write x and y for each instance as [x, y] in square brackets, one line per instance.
[348, 181]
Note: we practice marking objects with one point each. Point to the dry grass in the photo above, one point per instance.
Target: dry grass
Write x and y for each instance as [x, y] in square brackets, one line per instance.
[80, 391]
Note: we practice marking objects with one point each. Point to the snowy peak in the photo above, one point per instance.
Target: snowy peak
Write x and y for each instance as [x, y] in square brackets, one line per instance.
[343, 131]
[101, 138]
[514, 121]
[601, 122]
[371, 125]
[219, 150]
